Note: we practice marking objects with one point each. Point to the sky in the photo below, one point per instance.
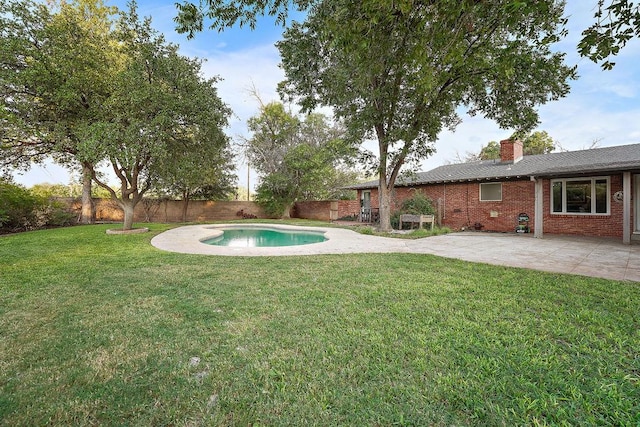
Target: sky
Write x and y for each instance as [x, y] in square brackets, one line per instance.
[603, 107]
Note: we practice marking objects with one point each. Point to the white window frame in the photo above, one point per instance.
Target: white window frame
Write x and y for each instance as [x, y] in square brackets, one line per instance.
[490, 200]
[592, 180]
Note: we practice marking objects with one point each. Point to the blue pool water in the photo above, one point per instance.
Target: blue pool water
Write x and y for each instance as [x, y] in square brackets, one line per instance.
[264, 237]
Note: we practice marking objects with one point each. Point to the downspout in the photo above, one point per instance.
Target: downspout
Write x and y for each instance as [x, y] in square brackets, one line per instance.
[444, 202]
[538, 215]
[467, 203]
[626, 208]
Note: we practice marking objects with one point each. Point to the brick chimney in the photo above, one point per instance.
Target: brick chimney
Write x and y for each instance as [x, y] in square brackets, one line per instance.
[511, 151]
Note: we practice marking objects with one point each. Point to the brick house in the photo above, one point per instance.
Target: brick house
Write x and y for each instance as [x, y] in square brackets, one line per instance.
[589, 192]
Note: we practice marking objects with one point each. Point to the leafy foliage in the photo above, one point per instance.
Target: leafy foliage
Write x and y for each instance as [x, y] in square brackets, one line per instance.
[53, 190]
[273, 195]
[18, 207]
[79, 88]
[616, 24]
[297, 159]
[225, 13]
[21, 209]
[56, 74]
[539, 142]
[417, 204]
[200, 164]
[58, 62]
[160, 116]
[616, 21]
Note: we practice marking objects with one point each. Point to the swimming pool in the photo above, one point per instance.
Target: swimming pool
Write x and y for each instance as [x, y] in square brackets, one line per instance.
[258, 237]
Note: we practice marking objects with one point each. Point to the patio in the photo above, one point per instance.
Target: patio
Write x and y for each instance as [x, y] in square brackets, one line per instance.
[606, 258]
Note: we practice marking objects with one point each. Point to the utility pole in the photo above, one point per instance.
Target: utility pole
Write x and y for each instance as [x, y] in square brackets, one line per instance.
[248, 187]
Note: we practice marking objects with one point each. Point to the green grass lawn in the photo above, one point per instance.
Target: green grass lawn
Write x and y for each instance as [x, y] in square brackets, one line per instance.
[98, 329]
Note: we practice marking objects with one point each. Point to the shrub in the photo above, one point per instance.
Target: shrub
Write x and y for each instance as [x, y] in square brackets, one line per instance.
[18, 207]
[21, 209]
[273, 204]
[419, 204]
[366, 230]
[57, 214]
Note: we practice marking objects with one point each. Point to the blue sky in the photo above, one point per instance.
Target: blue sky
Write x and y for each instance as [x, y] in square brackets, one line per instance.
[603, 106]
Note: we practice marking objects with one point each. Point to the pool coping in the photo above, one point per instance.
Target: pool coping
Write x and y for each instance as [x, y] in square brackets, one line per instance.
[594, 257]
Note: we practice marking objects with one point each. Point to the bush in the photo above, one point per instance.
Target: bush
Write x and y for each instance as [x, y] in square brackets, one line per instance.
[419, 204]
[273, 205]
[18, 207]
[366, 230]
[58, 215]
[395, 220]
[21, 209]
[273, 195]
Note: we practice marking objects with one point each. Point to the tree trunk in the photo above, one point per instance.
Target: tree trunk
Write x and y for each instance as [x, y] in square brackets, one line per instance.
[384, 194]
[185, 207]
[286, 214]
[384, 204]
[128, 207]
[87, 213]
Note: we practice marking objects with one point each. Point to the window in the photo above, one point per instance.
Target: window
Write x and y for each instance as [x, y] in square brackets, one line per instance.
[491, 192]
[588, 196]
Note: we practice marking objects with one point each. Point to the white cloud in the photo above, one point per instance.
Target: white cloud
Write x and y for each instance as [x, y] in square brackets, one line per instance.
[243, 70]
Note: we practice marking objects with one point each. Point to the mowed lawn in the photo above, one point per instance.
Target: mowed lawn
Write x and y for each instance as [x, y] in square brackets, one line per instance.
[99, 329]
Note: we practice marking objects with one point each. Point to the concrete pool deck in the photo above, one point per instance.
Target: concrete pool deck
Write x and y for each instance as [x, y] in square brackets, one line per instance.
[594, 257]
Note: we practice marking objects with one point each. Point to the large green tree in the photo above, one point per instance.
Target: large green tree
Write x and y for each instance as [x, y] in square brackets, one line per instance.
[296, 158]
[616, 21]
[159, 109]
[57, 63]
[202, 172]
[399, 72]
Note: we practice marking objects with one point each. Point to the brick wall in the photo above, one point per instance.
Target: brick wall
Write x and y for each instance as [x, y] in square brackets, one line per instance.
[586, 225]
[168, 211]
[347, 208]
[326, 210]
[149, 210]
[459, 204]
[320, 210]
[460, 207]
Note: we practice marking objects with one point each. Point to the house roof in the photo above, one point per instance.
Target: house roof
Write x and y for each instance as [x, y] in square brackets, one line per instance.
[569, 163]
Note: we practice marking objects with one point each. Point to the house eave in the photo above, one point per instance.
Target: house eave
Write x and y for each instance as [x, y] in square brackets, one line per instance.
[461, 180]
[586, 172]
[633, 167]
